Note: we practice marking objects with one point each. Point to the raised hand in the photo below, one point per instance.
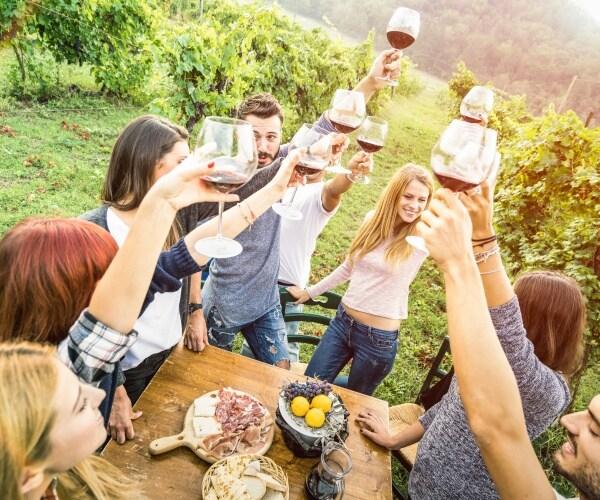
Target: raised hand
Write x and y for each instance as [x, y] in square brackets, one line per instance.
[386, 63]
[361, 163]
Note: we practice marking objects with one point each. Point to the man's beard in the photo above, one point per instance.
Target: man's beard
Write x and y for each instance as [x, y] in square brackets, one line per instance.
[262, 156]
[584, 478]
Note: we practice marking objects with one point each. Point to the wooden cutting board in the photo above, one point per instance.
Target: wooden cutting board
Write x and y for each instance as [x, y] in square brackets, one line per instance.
[188, 438]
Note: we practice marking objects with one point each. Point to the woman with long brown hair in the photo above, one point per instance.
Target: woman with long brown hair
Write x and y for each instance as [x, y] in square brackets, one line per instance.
[380, 266]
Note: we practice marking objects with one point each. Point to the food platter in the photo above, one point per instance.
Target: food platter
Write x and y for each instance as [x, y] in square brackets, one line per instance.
[335, 421]
[225, 436]
[245, 476]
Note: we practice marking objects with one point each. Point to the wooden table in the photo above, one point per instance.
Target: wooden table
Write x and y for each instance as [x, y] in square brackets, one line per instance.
[186, 376]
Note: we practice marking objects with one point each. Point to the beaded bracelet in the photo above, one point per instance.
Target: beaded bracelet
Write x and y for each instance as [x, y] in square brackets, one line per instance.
[251, 212]
[248, 221]
[483, 256]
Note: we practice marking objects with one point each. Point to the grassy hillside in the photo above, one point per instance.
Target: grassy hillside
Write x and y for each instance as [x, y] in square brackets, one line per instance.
[54, 157]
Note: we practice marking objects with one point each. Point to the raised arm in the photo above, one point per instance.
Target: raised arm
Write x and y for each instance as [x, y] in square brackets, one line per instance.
[386, 62]
[119, 295]
[487, 384]
[335, 188]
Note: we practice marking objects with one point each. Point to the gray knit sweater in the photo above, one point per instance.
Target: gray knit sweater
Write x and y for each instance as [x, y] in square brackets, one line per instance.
[448, 464]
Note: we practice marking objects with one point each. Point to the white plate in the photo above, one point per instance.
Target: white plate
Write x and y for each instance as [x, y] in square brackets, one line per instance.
[335, 417]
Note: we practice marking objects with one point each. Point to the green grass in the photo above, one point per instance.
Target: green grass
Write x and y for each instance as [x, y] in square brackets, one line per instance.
[51, 167]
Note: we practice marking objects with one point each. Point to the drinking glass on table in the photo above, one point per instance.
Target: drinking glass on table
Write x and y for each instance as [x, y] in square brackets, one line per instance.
[371, 138]
[346, 113]
[230, 144]
[314, 161]
[463, 157]
[402, 30]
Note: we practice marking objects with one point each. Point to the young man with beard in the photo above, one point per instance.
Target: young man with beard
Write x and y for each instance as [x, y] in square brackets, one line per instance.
[241, 293]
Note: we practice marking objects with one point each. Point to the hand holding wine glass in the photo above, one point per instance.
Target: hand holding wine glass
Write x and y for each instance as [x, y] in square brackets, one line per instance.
[402, 30]
[230, 144]
[463, 157]
[317, 153]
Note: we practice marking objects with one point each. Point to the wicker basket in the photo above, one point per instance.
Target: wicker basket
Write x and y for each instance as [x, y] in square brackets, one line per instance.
[267, 466]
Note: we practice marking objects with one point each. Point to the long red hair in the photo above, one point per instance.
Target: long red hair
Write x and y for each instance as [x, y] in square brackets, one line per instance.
[49, 268]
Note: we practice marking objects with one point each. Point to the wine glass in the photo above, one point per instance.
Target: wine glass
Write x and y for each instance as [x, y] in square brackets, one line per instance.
[230, 144]
[477, 105]
[463, 157]
[316, 158]
[371, 138]
[402, 30]
[346, 113]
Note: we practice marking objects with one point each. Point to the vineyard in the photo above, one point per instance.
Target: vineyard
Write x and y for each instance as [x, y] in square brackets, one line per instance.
[73, 73]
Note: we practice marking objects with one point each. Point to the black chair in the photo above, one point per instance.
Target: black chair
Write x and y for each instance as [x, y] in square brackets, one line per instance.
[434, 387]
[329, 300]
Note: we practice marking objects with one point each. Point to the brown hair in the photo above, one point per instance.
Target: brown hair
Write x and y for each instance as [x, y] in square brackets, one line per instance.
[262, 105]
[48, 271]
[382, 225]
[554, 315]
[137, 151]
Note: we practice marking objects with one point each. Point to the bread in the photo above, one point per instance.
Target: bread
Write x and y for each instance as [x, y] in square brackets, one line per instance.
[211, 495]
[255, 486]
[273, 495]
[271, 482]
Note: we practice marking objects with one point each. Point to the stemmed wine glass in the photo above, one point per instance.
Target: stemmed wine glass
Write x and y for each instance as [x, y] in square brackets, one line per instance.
[463, 157]
[231, 145]
[371, 138]
[346, 113]
[316, 158]
[477, 105]
[402, 30]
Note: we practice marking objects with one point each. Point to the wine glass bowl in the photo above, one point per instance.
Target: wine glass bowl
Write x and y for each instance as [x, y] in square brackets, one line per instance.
[317, 146]
[464, 155]
[402, 31]
[229, 143]
[371, 138]
[477, 104]
[347, 110]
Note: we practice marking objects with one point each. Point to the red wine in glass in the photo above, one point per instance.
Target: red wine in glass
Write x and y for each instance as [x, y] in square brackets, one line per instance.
[455, 183]
[225, 180]
[305, 168]
[345, 127]
[399, 39]
[369, 146]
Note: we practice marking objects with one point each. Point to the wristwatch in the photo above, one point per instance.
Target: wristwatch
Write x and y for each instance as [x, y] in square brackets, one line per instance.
[194, 307]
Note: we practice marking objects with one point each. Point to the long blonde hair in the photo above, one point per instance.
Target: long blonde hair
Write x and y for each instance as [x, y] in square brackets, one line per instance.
[29, 374]
[382, 225]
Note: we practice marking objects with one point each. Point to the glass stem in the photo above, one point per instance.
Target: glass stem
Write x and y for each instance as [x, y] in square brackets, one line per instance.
[220, 220]
[292, 198]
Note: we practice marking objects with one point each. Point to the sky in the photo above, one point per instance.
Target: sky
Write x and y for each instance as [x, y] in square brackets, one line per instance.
[592, 6]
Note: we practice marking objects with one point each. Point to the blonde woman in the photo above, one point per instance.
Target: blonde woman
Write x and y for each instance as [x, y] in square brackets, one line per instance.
[49, 427]
[380, 267]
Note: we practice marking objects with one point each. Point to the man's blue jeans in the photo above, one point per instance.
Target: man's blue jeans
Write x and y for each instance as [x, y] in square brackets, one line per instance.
[373, 350]
[266, 335]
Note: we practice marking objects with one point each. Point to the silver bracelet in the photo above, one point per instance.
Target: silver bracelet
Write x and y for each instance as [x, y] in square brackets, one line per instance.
[483, 256]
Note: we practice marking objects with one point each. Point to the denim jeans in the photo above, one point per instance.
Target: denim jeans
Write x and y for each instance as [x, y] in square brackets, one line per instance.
[265, 335]
[291, 328]
[373, 351]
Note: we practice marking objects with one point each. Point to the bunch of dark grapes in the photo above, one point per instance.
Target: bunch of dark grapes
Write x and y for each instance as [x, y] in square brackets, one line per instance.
[309, 389]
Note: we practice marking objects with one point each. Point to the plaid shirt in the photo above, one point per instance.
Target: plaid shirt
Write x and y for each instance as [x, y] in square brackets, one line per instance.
[92, 348]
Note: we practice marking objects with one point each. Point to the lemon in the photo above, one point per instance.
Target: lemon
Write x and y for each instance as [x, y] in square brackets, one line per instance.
[322, 402]
[300, 406]
[315, 417]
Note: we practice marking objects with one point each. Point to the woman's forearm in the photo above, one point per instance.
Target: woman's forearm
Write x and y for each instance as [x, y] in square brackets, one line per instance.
[410, 435]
